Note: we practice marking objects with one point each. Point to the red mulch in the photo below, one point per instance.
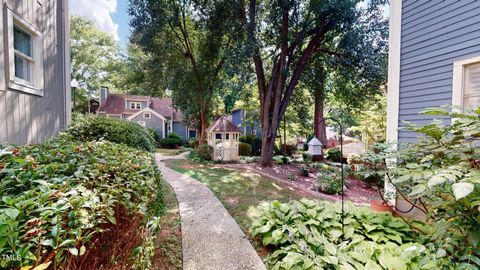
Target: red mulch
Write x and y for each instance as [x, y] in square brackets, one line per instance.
[357, 191]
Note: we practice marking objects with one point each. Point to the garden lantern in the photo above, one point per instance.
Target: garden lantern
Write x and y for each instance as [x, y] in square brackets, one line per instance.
[315, 149]
[224, 137]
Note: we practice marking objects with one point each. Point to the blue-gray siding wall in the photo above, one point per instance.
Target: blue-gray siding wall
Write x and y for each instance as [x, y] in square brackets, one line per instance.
[154, 122]
[237, 120]
[434, 35]
[180, 129]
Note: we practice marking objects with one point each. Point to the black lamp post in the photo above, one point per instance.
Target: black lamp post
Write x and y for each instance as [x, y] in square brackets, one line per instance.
[74, 86]
[341, 164]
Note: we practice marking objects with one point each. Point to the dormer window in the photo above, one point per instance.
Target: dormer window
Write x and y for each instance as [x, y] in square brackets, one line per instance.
[135, 105]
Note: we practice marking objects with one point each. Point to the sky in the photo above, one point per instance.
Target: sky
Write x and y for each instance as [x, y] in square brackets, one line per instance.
[110, 16]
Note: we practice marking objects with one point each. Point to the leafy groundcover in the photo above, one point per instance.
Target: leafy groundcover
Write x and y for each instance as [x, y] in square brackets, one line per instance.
[308, 234]
[67, 204]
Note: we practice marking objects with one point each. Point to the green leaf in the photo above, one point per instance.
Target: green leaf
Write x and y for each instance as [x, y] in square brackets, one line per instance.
[12, 213]
[436, 180]
[73, 251]
[462, 190]
[474, 237]
[82, 250]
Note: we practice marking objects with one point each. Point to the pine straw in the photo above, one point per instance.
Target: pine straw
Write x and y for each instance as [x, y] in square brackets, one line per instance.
[113, 248]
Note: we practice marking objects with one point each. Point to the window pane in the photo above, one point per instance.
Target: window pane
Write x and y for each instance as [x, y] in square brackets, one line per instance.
[471, 102]
[472, 79]
[22, 41]
[22, 68]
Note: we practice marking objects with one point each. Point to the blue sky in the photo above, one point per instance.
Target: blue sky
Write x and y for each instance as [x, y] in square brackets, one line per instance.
[110, 16]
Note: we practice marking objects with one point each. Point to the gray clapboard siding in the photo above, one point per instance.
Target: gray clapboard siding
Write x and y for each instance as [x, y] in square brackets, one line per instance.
[27, 118]
[434, 35]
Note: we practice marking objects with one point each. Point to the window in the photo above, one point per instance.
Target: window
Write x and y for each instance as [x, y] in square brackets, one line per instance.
[25, 55]
[147, 115]
[141, 123]
[471, 94]
[466, 83]
[135, 105]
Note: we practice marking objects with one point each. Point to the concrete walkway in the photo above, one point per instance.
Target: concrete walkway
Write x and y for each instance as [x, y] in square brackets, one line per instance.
[211, 238]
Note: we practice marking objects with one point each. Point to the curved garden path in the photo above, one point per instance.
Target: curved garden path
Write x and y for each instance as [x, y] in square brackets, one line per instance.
[211, 239]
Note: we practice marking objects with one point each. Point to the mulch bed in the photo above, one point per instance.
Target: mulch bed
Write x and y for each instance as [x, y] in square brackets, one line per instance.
[357, 191]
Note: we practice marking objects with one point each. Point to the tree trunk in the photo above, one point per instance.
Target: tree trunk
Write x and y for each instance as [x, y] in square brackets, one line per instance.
[320, 129]
[203, 127]
[268, 146]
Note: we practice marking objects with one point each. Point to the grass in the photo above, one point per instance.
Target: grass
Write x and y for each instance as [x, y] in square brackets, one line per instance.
[171, 152]
[168, 246]
[239, 191]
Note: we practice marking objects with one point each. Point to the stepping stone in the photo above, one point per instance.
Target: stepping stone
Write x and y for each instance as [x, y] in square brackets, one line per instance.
[211, 239]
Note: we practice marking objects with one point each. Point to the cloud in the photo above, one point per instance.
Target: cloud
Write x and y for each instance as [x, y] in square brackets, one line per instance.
[100, 11]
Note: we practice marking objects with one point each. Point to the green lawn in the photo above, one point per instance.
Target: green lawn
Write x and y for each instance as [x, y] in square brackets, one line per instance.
[171, 152]
[239, 191]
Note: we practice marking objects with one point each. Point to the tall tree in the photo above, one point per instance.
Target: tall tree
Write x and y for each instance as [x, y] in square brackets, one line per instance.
[190, 43]
[93, 52]
[283, 36]
[355, 68]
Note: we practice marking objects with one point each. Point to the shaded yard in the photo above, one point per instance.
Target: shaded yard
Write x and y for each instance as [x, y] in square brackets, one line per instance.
[240, 191]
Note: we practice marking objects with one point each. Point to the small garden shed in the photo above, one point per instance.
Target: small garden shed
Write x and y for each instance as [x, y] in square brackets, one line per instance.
[224, 136]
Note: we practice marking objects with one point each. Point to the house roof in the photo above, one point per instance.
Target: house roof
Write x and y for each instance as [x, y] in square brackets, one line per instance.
[115, 104]
[223, 124]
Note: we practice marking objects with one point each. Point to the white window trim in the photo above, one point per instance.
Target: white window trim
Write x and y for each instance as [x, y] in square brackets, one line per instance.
[135, 103]
[37, 50]
[458, 82]
[145, 115]
[109, 115]
[142, 123]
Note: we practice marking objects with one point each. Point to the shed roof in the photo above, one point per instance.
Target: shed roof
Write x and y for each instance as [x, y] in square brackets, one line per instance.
[223, 124]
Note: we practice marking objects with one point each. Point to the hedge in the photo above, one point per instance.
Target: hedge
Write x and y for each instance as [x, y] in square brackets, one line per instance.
[59, 195]
[92, 128]
[244, 149]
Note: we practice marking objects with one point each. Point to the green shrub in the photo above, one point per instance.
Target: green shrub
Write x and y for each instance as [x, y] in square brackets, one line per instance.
[255, 142]
[244, 149]
[174, 135]
[170, 143]
[204, 152]
[304, 170]
[93, 128]
[442, 171]
[323, 167]
[333, 154]
[308, 235]
[291, 149]
[306, 157]
[193, 143]
[329, 182]
[154, 133]
[60, 195]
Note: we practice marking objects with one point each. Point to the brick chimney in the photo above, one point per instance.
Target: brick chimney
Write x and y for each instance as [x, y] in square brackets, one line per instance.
[103, 94]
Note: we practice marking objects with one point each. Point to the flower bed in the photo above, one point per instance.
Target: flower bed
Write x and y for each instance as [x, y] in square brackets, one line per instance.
[57, 197]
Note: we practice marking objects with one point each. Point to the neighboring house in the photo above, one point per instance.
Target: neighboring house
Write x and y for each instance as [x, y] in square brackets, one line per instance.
[35, 67]
[434, 60]
[246, 127]
[150, 112]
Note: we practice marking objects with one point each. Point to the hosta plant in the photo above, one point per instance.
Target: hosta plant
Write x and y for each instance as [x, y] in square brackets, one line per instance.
[308, 234]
